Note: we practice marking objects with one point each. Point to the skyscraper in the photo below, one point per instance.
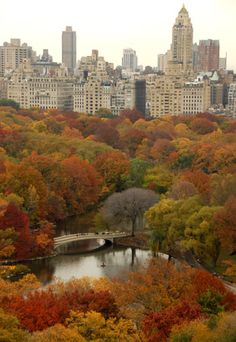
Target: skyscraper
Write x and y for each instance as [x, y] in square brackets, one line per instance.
[129, 60]
[69, 48]
[182, 41]
[209, 55]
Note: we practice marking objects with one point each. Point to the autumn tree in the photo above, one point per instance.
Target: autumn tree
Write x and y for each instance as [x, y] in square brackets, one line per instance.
[128, 206]
[9, 329]
[114, 168]
[14, 218]
[158, 179]
[7, 238]
[58, 333]
[162, 149]
[202, 126]
[182, 190]
[225, 221]
[157, 326]
[80, 185]
[131, 114]
[185, 225]
[93, 327]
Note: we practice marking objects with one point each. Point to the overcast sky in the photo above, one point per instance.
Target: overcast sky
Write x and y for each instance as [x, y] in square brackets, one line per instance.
[111, 25]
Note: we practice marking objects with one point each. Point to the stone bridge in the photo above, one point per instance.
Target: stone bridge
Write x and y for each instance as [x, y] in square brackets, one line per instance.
[61, 240]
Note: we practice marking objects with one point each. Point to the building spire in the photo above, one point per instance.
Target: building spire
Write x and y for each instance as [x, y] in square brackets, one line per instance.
[183, 9]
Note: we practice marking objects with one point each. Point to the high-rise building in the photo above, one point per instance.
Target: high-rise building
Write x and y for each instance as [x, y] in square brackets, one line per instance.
[161, 62]
[140, 96]
[223, 63]
[232, 99]
[209, 55]
[182, 41]
[12, 54]
[129, 60]
[69, 48]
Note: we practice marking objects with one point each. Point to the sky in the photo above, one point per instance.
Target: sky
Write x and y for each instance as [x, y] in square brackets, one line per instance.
[112, 25]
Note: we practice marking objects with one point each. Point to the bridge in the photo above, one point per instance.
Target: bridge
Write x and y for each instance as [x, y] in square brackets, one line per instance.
[62, 240]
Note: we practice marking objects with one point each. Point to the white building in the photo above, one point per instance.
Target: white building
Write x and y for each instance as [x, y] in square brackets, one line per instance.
[232, 99]
[12, 54]
[129, 60]
[91, 95]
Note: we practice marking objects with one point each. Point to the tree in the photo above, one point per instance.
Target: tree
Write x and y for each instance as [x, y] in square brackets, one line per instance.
[225, 221]
[94, 328]
[9, 103]
[158, 179]
[114, 167]
[182, 190]
[157, 326]
[137, 172]
[202, 126]
[128, 206]
[131, 114]
[14, 218]
[7, 238]
[162, 149]
[9, 329]
[57, 333]
[80, 184]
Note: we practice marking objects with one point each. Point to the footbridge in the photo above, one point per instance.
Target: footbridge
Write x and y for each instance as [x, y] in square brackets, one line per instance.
[110, 236]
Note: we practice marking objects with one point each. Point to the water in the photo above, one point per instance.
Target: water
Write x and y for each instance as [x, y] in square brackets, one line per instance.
[109, 262]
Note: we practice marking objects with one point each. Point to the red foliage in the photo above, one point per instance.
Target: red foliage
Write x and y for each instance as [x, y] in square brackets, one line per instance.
[13, 217]
[113, 167]
[157, 326]
[162, 149]
[43, 309]
[225, 220]
[202, 126]
[131, 139]
[131, 114]
[200, 180]
[81, 184]
[203, 281]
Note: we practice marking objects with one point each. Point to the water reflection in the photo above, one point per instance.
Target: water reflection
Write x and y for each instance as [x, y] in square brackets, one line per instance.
[116, 261]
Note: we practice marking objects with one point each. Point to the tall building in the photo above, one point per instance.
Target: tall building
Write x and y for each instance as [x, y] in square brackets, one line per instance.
[223, 63]
[182, 41]
[232, 99]
[209, 55]
[69, 48]
[129, 60]
[161, 62]
[12, 54]
[140, 96]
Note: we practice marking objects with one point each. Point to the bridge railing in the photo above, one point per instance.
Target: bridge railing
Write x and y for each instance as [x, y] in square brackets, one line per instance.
[101, 234]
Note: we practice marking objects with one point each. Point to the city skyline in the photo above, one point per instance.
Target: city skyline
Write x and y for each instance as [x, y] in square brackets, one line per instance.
[98, 29]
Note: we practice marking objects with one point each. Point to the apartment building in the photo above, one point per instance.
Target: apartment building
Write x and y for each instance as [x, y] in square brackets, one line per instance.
[196, 97]
[91, 95]
[232, 99]
[164, 95]
[42, 92]
[12, 54]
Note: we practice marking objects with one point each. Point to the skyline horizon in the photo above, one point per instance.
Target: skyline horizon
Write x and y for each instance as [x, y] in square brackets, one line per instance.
[111, 44]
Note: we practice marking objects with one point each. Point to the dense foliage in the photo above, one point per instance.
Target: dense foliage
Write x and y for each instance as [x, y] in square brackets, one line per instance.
[158, 303]
[54, 165]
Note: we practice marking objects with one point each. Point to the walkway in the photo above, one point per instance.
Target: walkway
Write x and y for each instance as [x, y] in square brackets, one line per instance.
[61, 240]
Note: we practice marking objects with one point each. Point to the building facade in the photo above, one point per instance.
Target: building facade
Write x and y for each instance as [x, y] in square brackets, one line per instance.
[232, 99]
[209, 55]
[129, 60]
[182, 41]
[69, 49]
[12, 54]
